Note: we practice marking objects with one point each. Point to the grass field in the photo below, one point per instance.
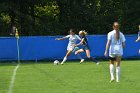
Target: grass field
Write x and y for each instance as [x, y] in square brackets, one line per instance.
[71, 77]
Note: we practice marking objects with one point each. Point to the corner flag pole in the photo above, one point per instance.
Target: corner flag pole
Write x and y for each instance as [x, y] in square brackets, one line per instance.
[18, 50]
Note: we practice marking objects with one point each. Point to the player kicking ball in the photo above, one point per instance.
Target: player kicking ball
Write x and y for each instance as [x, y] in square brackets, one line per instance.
[84, 43]
[115, 44]
[71, 45]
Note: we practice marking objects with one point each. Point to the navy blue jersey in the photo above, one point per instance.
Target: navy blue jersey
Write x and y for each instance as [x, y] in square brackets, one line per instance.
[85, 40]
[85, 43]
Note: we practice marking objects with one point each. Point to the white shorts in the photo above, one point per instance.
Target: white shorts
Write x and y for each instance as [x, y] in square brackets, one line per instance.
[114, 55]
[115, 51]
[70, 47]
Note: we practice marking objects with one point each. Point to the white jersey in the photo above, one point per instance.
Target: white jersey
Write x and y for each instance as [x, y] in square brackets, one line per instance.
[72, 41]
[116, 47]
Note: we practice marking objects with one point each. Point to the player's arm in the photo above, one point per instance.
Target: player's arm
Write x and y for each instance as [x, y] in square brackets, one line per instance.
[123, 40]
[107, 44]
[138, 39]
[62, 38]
[123, 44]
[78, 37]
[107, 47]
[81, 42]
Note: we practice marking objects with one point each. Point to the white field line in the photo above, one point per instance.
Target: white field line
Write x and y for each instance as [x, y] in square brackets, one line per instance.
[13, 79]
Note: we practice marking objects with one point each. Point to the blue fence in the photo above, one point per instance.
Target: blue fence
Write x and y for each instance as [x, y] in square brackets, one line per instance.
[46, 47]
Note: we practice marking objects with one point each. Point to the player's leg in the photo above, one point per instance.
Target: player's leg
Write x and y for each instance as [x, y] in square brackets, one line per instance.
[112, 59]
[79, 56]
[118, 59]
[88, 53]
[69, 51]
[88, 56]
[67, 55]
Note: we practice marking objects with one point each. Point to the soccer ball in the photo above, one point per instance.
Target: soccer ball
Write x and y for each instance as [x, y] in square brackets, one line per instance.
[56, 62]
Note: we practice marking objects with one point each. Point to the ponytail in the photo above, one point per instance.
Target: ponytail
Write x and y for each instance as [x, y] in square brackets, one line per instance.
[116, 25]
[117, 35]
[83, 32]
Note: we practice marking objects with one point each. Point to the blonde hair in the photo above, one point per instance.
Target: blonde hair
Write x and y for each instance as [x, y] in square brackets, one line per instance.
[82, 32]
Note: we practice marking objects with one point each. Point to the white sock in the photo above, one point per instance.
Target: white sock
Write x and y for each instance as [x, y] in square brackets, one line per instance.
[112, 71]
[117, 74]
[64, 60]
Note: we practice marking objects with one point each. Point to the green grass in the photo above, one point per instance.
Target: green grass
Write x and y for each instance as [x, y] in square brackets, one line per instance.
[70, 78]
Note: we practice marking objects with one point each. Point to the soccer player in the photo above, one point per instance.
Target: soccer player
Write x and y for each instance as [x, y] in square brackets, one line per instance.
[84, 43]
[13, 30]
[138, 39]
[115, 44]
[71, 45]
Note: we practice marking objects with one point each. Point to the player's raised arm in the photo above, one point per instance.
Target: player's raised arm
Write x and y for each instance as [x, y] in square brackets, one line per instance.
[62, 38]
[138, 39]
[81, 42]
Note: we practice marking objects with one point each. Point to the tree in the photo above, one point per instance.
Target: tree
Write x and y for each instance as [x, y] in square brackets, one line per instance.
[56, 17]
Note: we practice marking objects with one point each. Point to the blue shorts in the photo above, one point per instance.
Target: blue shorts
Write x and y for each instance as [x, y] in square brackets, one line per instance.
[86, 47]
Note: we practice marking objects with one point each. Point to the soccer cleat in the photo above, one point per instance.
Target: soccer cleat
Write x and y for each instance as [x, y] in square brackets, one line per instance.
[82, 60]
[61, 63]
[112, 80]
[117, 81]
[97, 63]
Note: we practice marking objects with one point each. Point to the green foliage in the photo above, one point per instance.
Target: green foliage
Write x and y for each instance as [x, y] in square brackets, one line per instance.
[47, 18]
[55, 17]
[5, 18]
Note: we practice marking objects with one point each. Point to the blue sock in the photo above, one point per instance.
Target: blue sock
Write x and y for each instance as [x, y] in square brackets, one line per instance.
[94, 59]
[79, 56]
